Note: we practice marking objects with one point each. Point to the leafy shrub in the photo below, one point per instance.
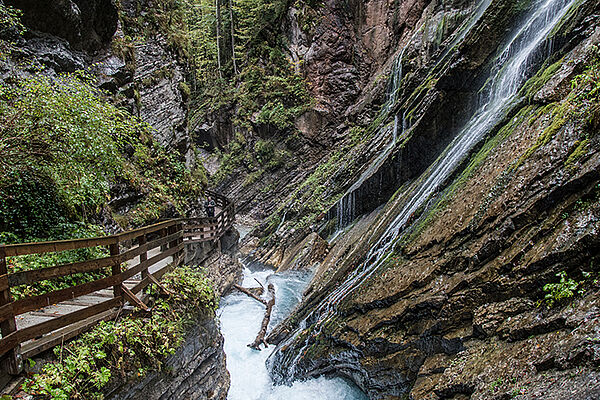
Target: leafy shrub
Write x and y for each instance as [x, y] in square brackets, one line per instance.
[565, 289]
[115, 352]
[63, 146]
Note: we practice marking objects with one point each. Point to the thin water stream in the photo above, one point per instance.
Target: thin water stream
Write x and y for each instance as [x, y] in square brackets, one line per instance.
[510, 69]
[241, 318]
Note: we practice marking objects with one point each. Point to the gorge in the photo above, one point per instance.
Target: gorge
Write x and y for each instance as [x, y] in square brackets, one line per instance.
[419, 179]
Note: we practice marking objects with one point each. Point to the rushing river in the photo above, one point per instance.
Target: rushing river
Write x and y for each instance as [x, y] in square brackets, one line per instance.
[241, 318]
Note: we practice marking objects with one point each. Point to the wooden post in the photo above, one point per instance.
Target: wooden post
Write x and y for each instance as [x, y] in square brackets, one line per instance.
[12, 361]
[181, 254]
[116, 269]
[141, 240]
[163, 233]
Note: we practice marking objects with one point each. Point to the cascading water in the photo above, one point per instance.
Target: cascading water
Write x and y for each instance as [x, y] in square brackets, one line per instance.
[250, 379]
[509, 71]
[346, 209]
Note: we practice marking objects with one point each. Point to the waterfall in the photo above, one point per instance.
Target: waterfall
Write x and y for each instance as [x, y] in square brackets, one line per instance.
[346, 207]
[510, 69]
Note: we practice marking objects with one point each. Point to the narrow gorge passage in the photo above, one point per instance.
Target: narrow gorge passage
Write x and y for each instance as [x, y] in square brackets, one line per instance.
[240, 318]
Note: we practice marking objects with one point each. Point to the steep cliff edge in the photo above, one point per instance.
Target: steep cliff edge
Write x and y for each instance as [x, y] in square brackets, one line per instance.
[132, 61]
[458, 295]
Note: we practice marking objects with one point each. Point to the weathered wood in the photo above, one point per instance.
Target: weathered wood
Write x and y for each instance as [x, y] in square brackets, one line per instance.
[8, 326]
[130, 235]
[55, 338]
[249, 293]
[180, 233]
[116, 269]
[132, 299]
[8, 342]
[33, 303]
[207, 233]
[138, 251]
[60, 245]
[141, 240]
[31, 276]
[260, 338]
[160, 287]
[3, 283]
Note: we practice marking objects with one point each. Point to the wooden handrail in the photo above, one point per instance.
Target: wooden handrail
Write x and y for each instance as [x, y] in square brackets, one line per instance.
[170, 236]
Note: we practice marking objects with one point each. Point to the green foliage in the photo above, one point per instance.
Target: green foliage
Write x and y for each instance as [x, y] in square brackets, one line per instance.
[10, 20]
[565, 289]
[63, 146]
[129, 348]
[45, 132]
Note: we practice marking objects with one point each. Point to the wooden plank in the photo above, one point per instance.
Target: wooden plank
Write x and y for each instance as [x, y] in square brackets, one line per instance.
[129, 235]
[59, 245]
[3, 282]
[196, 234]
[141, 240]
[197, 226]
[132, 299]
[62, 245]
[136, 251]
[35, 347]
[33, 303]
[160, 287]
[8, 342]
[6, 311]
[8, 324]
[36, 275]
[116, 270]
[208, 239]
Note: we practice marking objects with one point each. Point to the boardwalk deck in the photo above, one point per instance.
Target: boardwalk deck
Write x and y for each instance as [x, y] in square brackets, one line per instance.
[137, 258]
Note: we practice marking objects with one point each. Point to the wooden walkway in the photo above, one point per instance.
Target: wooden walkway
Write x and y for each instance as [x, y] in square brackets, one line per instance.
[137, 258]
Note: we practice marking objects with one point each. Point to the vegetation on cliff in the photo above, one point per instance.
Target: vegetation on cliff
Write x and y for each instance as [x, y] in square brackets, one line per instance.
[238, 70]
[65, 148]
[116, 352]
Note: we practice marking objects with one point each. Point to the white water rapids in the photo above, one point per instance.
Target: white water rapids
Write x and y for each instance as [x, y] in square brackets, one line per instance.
[241, 318]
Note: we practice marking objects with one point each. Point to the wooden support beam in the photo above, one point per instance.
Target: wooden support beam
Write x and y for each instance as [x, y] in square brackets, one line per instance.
[132, 299]
[116, 269]
[32, 303]
[161, 288]
[141, 240]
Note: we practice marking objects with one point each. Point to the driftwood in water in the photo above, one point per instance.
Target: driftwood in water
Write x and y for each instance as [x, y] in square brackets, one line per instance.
[260, 338]
[249, 293]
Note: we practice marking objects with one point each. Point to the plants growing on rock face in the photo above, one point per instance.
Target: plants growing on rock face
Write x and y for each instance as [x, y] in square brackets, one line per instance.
[117, 352]
[63, 147]
[565, 289]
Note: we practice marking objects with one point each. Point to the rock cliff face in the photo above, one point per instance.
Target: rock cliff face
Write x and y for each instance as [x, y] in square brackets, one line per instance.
[144, 75]
[449, 300]
[196, 370]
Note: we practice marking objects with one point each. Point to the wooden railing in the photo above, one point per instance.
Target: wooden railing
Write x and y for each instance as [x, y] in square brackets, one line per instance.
[129, 257]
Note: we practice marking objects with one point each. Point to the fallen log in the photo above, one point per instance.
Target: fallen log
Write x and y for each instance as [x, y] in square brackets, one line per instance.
[249, 293]
[260, 338]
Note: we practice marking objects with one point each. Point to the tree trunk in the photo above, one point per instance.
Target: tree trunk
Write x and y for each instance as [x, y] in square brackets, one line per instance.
[249, 293]
[260, 338]
[218, 10]
[235, 70]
